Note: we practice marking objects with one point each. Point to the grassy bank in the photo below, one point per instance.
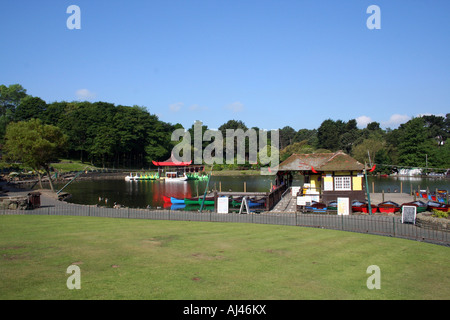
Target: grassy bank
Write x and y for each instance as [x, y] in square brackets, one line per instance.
[144, 259]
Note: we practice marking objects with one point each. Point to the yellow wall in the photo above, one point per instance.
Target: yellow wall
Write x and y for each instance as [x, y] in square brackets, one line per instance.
[357, 183]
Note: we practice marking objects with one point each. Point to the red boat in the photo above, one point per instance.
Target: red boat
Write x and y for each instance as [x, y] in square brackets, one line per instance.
[167, 199]
[388, 207]
[437, 206]
[359, 206]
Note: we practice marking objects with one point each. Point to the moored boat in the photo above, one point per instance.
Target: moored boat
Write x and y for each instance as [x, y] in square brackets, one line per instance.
[253, 203]
[332, 205]
[208, 201]
[388, 207]
[359, 206]
[317, 207]
[174, 176]
[199, 200]
[140, 177]
[437, 206]
[176, 201]
[421, 206]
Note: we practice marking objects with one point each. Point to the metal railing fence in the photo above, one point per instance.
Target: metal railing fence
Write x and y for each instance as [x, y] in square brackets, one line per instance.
[391, 226]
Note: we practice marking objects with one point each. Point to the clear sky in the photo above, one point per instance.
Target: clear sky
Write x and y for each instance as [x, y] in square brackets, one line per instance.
[268, 63]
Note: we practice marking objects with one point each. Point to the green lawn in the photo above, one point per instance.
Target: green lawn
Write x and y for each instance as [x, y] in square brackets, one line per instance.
[71, 165]
[145, 259]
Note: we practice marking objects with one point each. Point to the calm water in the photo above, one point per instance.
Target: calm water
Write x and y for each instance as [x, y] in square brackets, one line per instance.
[140, 194]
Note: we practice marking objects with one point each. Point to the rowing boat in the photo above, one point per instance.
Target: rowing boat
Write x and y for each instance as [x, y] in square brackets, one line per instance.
[388, 207]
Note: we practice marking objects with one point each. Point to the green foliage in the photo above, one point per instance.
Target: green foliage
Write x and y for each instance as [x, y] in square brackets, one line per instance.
[33, 143]
[412, 142]
[130, 136]
[439, 214]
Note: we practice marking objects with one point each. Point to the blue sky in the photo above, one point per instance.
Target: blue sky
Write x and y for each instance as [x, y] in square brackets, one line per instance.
[268, 63]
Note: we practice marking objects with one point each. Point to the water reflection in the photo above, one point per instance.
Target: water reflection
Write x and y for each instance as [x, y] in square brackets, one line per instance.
[142, 194]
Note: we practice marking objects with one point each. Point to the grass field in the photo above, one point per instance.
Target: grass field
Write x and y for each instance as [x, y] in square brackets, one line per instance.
[145, 259]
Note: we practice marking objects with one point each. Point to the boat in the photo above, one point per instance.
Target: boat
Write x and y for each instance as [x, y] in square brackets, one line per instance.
[130, 177]
[208, 201]
[332, 205]
[191, 201]
[442, 196]
[317, 207]
[176, 201]
[437, 206]
[388, 207]
[196, 176]
[174, 176]
[252, 203]
[421, 206]
[167, 199]
[359, 206]
[199, 200]
[139, 177]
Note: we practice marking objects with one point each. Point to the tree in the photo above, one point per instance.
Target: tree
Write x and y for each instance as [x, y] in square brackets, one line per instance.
[368, 147]
[30, 107]
[306, 134]
[34, 144]
[329, 134]
[413, 137]
[9, 99]
[287, 135]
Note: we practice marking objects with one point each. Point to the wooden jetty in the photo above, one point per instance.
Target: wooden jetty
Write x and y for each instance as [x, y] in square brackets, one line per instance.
[271, 198]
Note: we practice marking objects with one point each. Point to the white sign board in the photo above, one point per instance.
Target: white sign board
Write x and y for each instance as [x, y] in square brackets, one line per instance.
[295, 190]
[409, 214]
[343, 206]
[222, 205]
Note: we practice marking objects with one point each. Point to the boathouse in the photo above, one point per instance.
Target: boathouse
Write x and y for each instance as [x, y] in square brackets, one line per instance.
[327, 176]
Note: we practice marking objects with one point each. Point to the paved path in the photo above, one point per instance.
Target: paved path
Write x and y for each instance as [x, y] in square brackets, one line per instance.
[287, 204]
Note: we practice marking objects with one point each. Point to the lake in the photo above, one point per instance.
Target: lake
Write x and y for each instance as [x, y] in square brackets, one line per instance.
[140, 194]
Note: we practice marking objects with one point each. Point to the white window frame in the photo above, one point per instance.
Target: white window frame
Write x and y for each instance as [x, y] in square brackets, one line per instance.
[343, 183]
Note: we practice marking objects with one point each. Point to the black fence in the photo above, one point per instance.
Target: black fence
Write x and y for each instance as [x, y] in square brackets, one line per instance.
[377, 225]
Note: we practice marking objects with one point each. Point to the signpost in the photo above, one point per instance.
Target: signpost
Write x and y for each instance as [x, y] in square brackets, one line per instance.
[409, 214]
[343, 206]
[222, 205]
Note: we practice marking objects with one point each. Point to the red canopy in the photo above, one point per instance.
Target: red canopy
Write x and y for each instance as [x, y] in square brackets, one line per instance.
[171, 162]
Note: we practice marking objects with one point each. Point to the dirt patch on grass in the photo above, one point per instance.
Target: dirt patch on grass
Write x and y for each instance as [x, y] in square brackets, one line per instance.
[161, 241]
[207, 256]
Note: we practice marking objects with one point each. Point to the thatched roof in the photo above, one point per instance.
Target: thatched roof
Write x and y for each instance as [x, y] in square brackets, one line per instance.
[338, 161]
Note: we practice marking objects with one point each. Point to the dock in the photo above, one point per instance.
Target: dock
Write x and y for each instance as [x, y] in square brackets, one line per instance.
[288, 203]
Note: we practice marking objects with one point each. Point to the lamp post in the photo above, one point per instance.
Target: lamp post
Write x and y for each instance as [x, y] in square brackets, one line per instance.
[369, 208]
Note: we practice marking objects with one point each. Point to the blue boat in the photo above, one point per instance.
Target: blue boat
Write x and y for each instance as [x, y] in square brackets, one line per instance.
[256, 203]
[176, 201]
[317, 207]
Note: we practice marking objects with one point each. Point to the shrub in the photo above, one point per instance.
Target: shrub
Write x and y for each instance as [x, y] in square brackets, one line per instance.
[439, 214]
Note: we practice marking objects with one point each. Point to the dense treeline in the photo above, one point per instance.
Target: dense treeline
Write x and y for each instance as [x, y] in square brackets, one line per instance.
[421, 142]
[100, 133]
[129, 136]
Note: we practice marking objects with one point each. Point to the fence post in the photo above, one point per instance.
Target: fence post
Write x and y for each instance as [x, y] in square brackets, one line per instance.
[393, 225]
